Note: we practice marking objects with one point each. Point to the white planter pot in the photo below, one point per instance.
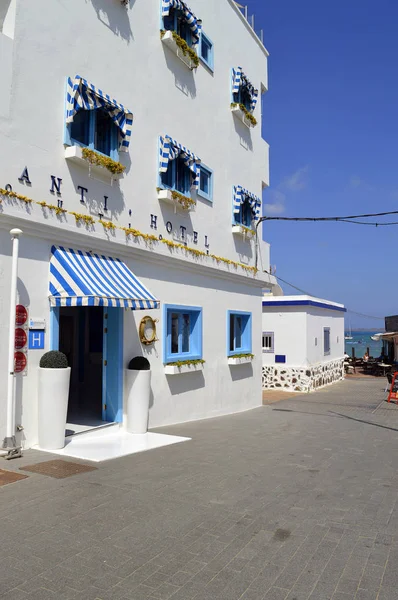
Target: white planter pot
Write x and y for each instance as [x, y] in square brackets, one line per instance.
[246, 232]
[53, 405]
[138, 387]
[175, 370]
[242, 360]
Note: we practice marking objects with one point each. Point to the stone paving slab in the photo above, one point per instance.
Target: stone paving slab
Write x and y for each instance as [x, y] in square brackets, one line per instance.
[293, 501]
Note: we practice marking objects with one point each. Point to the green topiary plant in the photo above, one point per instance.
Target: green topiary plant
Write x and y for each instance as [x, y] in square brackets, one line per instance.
[54, 360]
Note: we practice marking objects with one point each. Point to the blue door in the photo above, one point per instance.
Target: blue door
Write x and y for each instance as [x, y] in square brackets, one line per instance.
[112, 373]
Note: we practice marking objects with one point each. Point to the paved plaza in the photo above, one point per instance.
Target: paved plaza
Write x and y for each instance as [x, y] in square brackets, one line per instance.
[293, 500]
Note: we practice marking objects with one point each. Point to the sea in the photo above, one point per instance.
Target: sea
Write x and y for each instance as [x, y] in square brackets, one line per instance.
[361, 340]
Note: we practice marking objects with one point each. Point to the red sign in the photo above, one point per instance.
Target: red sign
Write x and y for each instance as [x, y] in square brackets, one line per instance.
[393, 393]
[20, 338]
[21, 315]
[19, 362]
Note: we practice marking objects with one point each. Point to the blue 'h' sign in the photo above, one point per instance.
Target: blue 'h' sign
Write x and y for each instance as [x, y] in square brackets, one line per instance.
[36, 339]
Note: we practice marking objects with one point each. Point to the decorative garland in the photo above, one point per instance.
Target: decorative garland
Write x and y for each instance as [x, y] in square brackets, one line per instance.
[248, 114]
[87, 219]
[185, 49]
[129, 231]
[181, 363]
[11, 194]
[57, 209]
[108, 225]
[135, 233]
[94, 158]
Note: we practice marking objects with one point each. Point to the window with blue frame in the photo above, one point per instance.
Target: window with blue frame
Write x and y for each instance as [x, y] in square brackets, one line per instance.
[176, 21]
[96, 130]
[183, 333]
[245, 215]
[206, 183]
[177, 177]
[206, 51]
[239, 332]
[326, 340]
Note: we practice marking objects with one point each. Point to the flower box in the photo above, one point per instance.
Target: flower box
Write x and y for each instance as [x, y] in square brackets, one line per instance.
[171, 44]
[238, 112]
[167, 196]
[175, 370]
[74, 154]
[244, 231]
[239, 360]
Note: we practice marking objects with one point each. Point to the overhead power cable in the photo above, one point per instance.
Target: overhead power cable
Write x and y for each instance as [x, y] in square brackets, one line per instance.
[339, 218]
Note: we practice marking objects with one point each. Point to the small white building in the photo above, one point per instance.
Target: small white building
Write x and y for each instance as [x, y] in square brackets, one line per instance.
[130, 141]
[303, 342]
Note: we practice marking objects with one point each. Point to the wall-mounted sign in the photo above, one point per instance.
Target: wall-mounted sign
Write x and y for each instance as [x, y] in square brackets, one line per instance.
[36, 339]
[37, 323]
[20, 338]
[21, 315]
[20, 362]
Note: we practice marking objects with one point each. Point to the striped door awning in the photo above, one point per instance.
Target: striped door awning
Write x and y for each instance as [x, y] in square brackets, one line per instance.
[193, 23]
[169, 150]
[80, 278]
[239, 79]
[240, 195]
[82, 95]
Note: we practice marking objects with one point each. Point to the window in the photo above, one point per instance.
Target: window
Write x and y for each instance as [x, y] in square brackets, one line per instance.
[176, 21]
[239, 332]
[206, 51]
[268, 341]
[206, 183]
[177, 177]
[326, 340]
[245, 215]
[244, 97]
[183, 336]
[95, 129]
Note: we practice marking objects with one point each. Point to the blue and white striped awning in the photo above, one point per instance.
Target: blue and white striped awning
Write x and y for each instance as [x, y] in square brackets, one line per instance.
[87, 279]
[239, 79]
[169, 150]
[240, 195]
[82, 95]
[194, 24]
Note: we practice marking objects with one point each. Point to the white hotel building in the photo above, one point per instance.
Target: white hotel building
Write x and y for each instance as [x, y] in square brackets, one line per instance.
[106, 82]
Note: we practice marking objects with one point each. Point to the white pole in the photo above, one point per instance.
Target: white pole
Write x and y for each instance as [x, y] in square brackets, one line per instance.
[10, 439]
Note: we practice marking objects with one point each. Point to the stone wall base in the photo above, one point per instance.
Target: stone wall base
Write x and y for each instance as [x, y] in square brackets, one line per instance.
[302, 379]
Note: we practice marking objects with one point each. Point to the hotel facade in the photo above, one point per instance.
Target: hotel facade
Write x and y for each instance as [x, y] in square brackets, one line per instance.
[131, 158]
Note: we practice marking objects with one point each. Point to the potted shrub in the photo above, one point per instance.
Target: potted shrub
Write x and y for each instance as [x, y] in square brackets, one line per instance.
[54, 376]
[138, 389]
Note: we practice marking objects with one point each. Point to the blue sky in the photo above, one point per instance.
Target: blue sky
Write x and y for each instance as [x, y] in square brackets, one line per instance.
[330, 117]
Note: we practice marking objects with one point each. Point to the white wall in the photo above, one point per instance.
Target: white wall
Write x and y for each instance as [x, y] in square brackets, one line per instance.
[290, 334]
[119, 50]
[295, 329]
[317, 320]
[220, 389]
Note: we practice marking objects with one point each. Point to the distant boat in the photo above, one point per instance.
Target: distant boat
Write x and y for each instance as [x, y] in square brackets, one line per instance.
[349, 336]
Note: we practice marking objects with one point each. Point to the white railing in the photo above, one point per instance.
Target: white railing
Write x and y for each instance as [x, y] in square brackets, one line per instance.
[250, 19]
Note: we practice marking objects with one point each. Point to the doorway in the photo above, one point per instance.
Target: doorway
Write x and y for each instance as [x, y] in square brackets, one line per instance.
[92, 339]
[81, 339]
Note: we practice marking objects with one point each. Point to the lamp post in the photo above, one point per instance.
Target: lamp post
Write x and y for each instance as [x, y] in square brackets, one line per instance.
[10, 444]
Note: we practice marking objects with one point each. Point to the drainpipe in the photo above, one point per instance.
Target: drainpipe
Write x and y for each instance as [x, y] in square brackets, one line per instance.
[10, 444]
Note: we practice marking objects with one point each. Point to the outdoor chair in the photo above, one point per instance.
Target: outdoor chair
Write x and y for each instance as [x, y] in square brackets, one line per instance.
[389, 382]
